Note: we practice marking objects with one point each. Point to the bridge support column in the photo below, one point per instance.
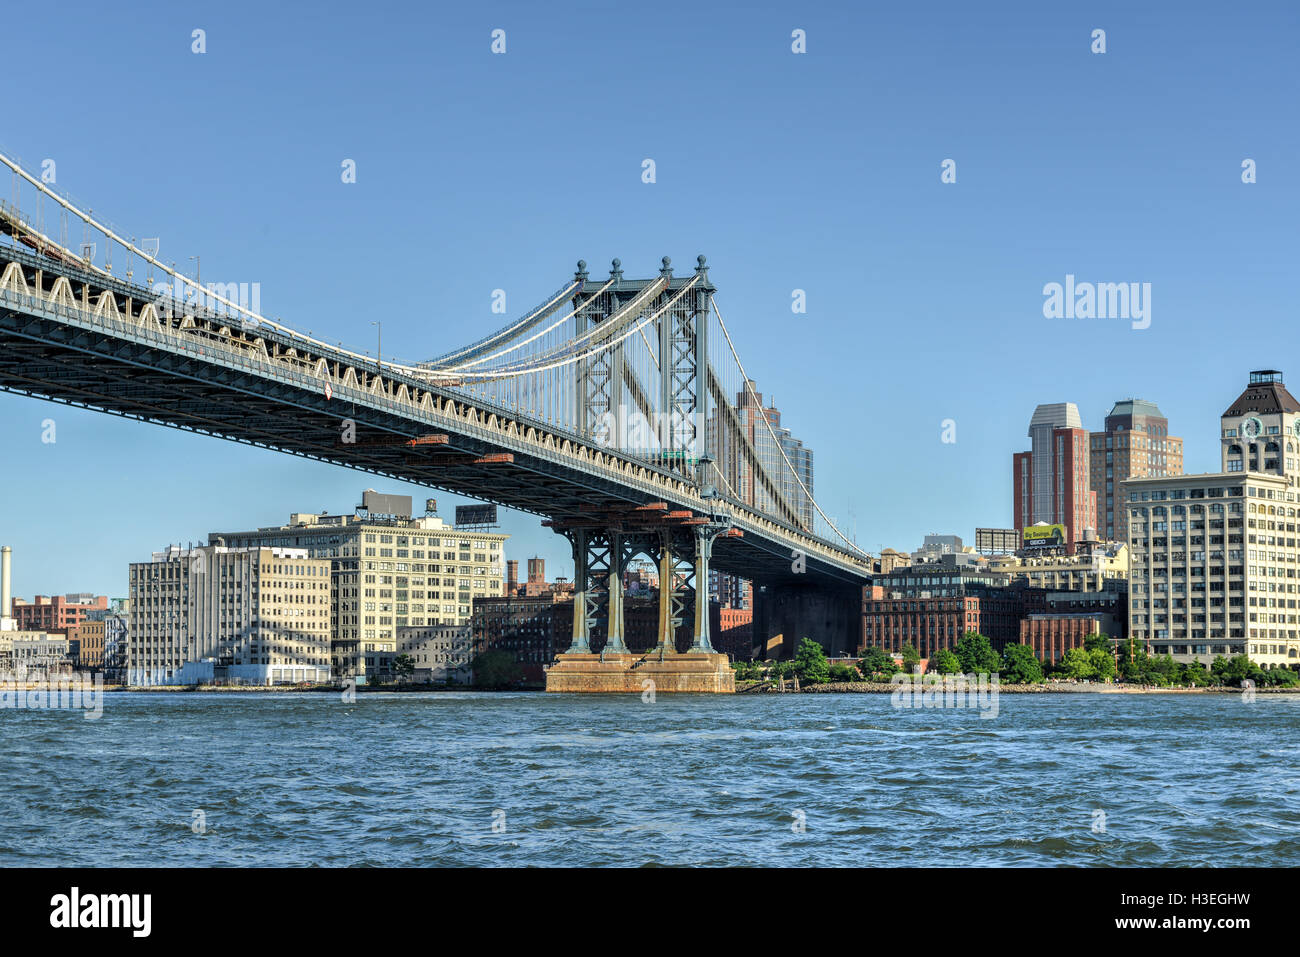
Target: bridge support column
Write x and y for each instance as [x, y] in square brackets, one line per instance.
[704, 536]
[581, 644]
[614, 643]
[668, 619]
[600, 557]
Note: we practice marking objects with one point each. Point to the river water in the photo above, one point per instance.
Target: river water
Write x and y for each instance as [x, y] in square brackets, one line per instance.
[535, 779]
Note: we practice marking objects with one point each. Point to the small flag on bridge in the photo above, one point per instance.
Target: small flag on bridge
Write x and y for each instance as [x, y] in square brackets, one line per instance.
[329, 392]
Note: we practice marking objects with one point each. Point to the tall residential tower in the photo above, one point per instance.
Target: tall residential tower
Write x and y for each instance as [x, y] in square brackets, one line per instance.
[1135, 444]
[1051, 479]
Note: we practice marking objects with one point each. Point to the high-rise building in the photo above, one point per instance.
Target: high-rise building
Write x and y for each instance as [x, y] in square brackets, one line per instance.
[759, 484]
[891, 558]
[1136, 443]
[1211, 563]
[730, 591]
[742, 477]
[254, 615]
[1260, 431]
[1209, 573]
[537, 583]
[389, 571]
[1051, 479]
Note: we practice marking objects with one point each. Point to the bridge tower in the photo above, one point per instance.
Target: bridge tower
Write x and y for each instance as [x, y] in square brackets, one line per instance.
[609, 397]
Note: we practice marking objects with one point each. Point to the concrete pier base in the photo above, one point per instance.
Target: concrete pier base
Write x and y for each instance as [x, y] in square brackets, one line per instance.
[628, 673]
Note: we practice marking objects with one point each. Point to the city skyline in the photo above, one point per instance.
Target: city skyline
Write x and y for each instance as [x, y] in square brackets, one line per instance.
[563, 565]
[956, 270]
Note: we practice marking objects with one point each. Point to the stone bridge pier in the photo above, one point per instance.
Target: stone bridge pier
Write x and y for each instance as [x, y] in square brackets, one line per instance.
[680, 543]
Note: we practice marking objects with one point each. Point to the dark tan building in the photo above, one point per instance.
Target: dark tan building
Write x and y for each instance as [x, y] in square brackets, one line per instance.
[1135, 444]
[89, 641]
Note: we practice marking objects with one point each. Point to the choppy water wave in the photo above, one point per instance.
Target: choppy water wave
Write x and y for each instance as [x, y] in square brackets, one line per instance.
[802, 780]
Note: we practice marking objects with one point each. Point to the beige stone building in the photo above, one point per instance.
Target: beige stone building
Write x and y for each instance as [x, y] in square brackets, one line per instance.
[33, 653]
[1214, 561]
[213, 613]
[439, 652]
[1088, 570]
[389, 572]
[1213, 566]
[891, 558]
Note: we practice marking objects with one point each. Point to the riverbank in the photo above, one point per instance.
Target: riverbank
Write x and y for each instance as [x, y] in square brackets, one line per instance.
[1054, 687]
[742, 687]
[300, 689]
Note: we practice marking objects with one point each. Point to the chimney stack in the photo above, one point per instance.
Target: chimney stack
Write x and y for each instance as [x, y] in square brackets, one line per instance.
[512, 576]
[6, 583]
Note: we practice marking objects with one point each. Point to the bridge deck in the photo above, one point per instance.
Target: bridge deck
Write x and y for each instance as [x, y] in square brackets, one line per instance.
[264, 388]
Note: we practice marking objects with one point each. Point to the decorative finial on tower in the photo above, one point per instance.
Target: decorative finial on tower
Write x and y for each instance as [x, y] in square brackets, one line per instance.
[701, 269]
[616, 272]
[667, 270]
[582, 270]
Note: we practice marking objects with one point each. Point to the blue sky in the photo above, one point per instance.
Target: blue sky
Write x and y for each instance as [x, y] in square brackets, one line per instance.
[818, 171]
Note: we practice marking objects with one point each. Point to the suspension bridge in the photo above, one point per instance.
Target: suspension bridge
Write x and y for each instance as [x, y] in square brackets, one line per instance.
[618, 410]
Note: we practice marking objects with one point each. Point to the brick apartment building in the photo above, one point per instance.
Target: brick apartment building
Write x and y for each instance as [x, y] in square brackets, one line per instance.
[57, 614]
[1070, 618]
[931, 624]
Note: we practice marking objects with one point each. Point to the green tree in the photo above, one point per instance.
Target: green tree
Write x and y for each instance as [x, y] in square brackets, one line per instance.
[876, 662]
[944, 662]
[1077, 665]
[1281, 677]
[1239, 668]
[810, 663]
[976, 655]
[845, 673]
[1163, 671]
[746, 670]
[496, 669]
[1103, 663]
[1133, 663]
[1195, 674]
[403, 667]
[1219, 670]
[1095, 642]
[1019, 666]
[911, 657]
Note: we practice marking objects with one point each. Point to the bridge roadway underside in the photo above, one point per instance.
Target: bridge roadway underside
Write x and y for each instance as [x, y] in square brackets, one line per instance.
[49, 359]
